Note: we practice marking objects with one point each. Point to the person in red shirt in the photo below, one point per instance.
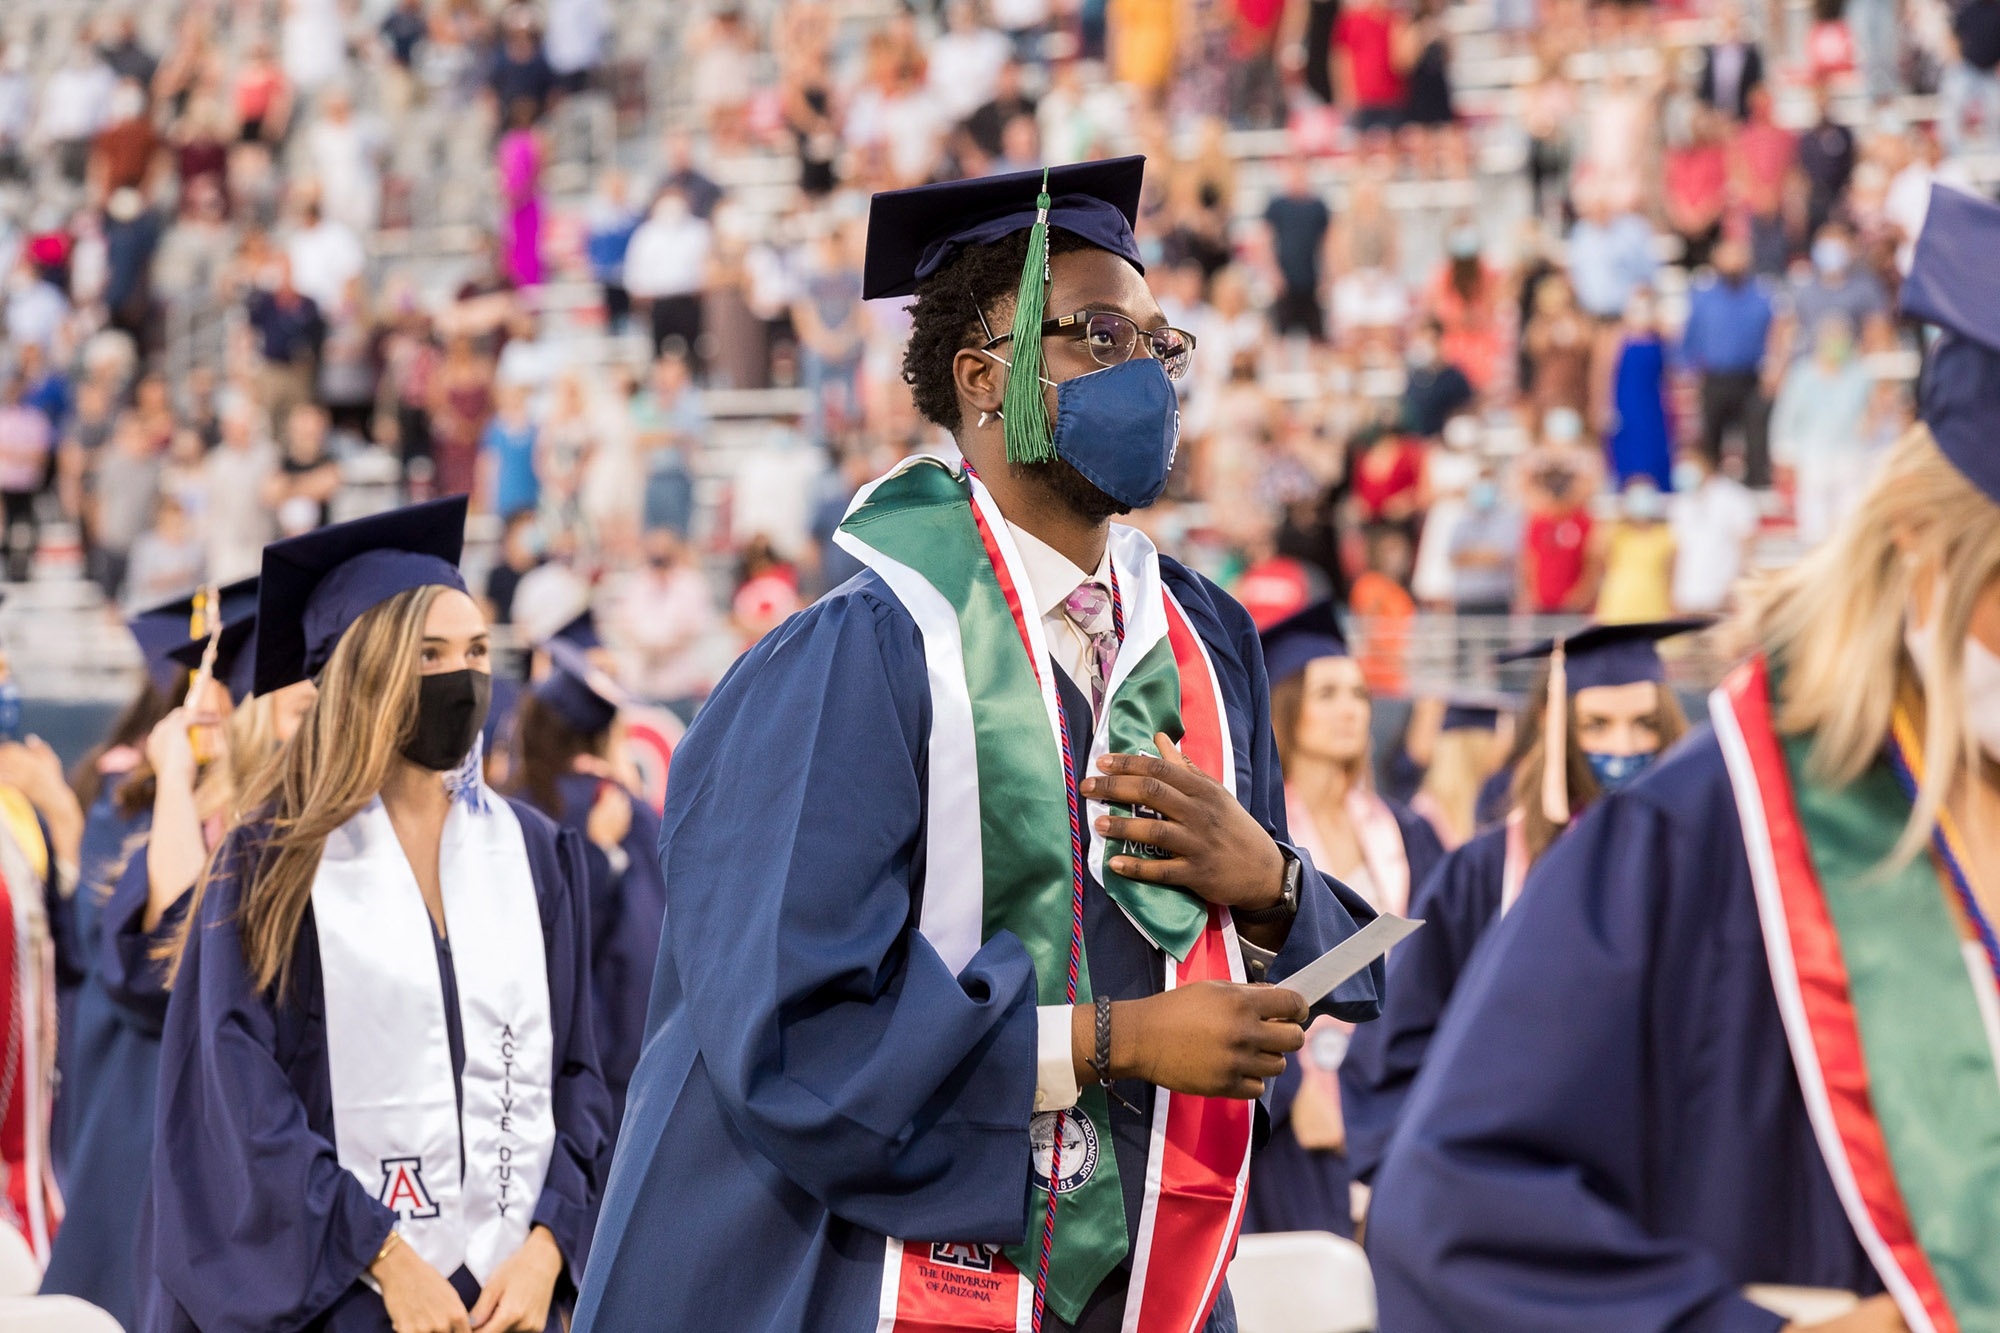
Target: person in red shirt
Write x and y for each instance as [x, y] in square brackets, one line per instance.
[1370, 42]
[1558, 562]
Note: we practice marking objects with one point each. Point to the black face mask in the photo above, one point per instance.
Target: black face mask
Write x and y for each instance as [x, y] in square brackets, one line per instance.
[451, 708]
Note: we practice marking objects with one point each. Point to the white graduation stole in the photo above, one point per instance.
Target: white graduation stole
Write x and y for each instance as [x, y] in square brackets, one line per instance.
[396, 1119]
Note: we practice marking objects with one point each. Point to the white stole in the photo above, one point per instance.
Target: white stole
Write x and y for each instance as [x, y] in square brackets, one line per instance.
[1379, 837]
[397, 1124]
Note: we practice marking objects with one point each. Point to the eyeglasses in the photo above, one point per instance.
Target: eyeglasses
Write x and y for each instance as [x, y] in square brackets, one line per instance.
[1112, 339]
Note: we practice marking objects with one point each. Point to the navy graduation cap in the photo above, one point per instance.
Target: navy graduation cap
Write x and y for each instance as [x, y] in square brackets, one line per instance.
[1474, 710]
[580, 692]
[580, 632]
[163, 628]
[235, 656]
[1953, 284]
[915, 232]
[318, 584]
[1302, 637]
[1592, 656]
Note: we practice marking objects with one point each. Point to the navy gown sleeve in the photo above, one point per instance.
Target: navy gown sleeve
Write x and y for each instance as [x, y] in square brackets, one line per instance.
[129, 962]
[1513, 1189]
[255, 1224]
[1329, 911]
[1456, 901]
[837, 1041]
[580, 1105]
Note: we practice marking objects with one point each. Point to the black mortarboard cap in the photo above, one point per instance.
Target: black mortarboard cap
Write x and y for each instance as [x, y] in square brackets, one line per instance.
[319, 583]
[163, 628]
[583, 694]
[1612, 654]
[1954, 284]
[915, 232]
[1304, 636]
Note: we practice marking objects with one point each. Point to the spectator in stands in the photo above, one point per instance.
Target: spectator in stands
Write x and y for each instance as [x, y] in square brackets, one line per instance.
[1557, 345]
[26, 441]
[574, 43]
[123, 485]
[518, 165]
[1559, 562]
[238, 473]
[1763, 157]
[668, 422]
[263, 97]
[123, 153]
[300, 493]
[289, 329]
[724, 73]
[1468, 300]
[1970, 116]
[1826, 155]
[75, 102]
[508, 483]
[1714, 521]
[344, 150]
[1638, 558]
[609, 221]
[1638, 436]
[1838, 285]
[965, 61]
[1611, 254]
[461, 401]
[520, 71]
[1724, 343]
[1485, 550]
[666, 265]
[1697, 187]
[326, 254]
[403, 33]
[678, 171]
[119, 47]
[132, 233]
[17, 110]
[1434, 390]
[1732, 68]
[168, 559]
[1816, 426]
[1298, 221]
[990, 119]
[663, 614]
[1371, 42]
[830, 320]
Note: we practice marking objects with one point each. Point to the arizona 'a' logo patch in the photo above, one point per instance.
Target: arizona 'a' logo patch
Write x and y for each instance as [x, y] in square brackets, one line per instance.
[971, 1256]
[403, 1189]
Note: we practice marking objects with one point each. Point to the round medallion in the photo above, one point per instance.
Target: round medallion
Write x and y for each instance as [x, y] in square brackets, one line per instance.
[1079, 1148]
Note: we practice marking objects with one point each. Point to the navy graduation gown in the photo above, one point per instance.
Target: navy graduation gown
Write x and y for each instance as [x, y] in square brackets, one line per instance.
[250, 1222]
[1496, 797]
[1306, 1189]
[1608, 1133]
[121, 1009]
[814, 1077]
[1456, 902]
[627, 911]
[82, 1022]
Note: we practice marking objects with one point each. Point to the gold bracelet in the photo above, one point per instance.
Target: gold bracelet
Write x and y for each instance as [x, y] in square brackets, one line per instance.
[395, 1239]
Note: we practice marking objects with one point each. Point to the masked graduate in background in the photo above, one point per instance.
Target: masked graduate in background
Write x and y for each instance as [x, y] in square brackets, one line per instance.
[172, 801]
[1613, 715]
[1320, 713]
[379, 1101]
[903, 864]
[567, 739]
[1740, 1029]
[97, 780]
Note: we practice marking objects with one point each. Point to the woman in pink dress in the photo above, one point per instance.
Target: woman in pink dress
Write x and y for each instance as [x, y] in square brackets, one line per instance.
[520, 165]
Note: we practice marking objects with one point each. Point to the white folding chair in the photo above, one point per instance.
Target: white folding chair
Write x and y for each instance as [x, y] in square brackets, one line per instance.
[1302, 1282]
[20, 1275]
[54, 1314]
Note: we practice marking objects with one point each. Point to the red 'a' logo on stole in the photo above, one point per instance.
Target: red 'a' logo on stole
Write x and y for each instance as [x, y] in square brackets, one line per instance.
[403, 1189]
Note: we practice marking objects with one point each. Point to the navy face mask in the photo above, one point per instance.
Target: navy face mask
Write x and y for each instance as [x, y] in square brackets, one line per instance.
[1613, 771]
[1120, 428]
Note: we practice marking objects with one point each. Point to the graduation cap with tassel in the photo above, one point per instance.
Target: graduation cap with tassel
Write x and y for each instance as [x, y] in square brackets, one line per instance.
[1592, 656]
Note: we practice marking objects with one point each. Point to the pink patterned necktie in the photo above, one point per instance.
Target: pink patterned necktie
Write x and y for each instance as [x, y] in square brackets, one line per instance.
[1089, 609]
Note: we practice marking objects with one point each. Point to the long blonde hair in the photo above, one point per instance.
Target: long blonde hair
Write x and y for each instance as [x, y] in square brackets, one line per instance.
[1833, 625]
[331, 768]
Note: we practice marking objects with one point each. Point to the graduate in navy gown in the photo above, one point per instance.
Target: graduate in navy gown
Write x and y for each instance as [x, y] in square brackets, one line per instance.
[379, 1101]
[1475, 735]
[1320, 711]
[1737, 1033]
[858, 1094]
[1618, 715]
[566, 741]
[130, 904]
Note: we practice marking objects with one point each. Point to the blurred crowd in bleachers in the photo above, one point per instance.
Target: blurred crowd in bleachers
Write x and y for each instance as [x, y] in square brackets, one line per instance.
[1505, 307]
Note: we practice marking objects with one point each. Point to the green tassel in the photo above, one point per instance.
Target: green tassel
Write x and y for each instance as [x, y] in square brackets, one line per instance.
[1029, 439]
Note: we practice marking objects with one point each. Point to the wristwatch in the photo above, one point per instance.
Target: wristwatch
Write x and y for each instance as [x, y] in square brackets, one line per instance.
[1287, 905]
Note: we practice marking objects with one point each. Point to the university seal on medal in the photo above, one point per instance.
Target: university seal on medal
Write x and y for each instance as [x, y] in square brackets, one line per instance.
[1079, 1148]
